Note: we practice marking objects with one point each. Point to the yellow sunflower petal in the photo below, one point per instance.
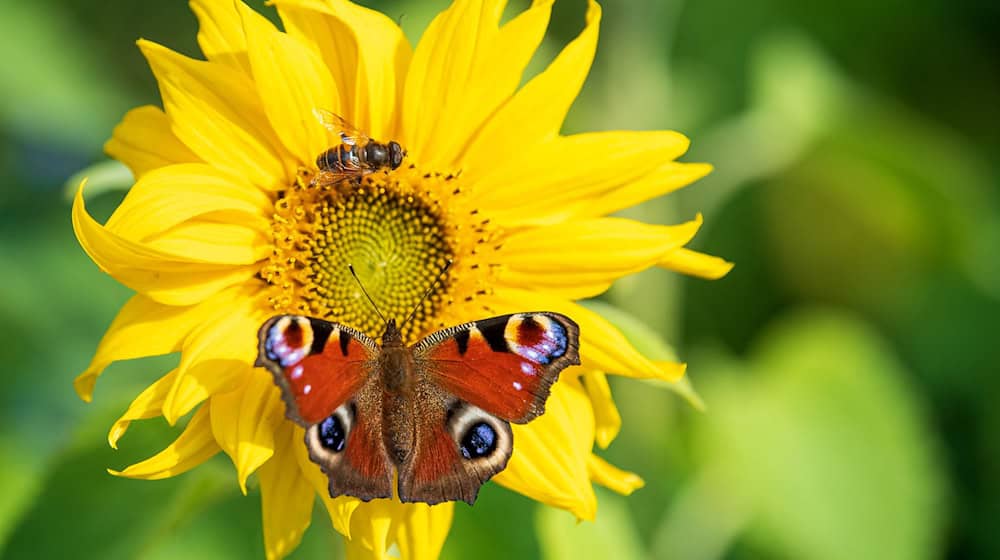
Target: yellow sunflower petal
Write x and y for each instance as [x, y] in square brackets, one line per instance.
[286, 498]
[581, 258]
[170, 195]
[216, 112]
[667, 178]
[148, 404]
[464, 68]
[540, 185]
[602, 346]
[421, 532]
[220, 33]
[244, 421]
[162, 276]
[696, 264]
[364, 51]
[371, 527]
[340, 509]
[219, 241]
[610, 476]
[217, 354]
[607, 421]
[143, 141]
[193, 447]
[292, 81]
[142, 328]
[550, 457]
[537, 111]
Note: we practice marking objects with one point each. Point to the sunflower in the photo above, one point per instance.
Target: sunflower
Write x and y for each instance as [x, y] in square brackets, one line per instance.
[224, 227]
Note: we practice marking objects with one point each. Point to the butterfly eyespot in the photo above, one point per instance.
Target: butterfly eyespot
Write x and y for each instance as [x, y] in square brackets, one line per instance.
[536, 337]
[332, 435]
[479, 441]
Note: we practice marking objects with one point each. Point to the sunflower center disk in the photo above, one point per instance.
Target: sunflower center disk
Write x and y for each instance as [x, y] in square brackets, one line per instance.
[391, 227]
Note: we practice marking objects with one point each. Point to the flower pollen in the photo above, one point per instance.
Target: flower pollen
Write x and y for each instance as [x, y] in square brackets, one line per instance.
[392, 226]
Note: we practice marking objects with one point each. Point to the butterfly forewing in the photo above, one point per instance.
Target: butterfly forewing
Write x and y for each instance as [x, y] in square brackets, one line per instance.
[317, 364]
[504, 365]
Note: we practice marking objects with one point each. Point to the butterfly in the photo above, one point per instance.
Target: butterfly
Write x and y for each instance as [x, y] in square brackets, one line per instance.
[433, 417]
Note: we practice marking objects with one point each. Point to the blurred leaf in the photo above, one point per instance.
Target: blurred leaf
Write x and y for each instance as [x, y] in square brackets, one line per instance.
[101, 177]
[55, 88]
[650, 344]
[796, 96]
[20, 482]
[611, 535]
[513, 537]
[126, 517]
[824, 444]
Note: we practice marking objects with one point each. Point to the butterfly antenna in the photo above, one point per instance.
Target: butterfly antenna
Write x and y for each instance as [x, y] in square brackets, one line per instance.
[364, 291]
[427, 293]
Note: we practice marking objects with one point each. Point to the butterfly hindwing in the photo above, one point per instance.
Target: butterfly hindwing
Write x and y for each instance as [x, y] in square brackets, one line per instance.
[457, 448]
[349, 448]
[503, 365]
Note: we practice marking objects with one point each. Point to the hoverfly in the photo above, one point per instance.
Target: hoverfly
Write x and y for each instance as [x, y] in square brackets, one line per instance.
[356, 156]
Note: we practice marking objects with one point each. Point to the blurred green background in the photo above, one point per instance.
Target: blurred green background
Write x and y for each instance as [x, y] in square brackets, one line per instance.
[848, 362]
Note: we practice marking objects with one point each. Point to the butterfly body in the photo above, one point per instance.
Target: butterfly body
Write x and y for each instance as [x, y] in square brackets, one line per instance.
[436, 414]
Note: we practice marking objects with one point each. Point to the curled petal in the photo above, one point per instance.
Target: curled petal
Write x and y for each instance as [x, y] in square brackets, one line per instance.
[610, 476]
[607, 421]
[216, 356]
[193, 447]
[148, 404]
[696, 264]
[142, 328]
[550, 457]
[171, 195]
[143, 141]
[244, 421]
[164, 277]
[286, 497]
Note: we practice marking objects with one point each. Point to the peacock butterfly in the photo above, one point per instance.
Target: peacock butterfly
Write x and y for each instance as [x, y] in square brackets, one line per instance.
[436, 414]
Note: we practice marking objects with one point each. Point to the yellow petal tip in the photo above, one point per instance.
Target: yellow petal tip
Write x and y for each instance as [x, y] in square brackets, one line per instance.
[84, 385]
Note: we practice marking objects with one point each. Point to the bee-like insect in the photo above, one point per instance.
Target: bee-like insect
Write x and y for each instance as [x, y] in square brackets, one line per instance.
[356, 156]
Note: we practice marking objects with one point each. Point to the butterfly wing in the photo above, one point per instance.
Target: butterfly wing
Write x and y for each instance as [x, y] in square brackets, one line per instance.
[324, 371]
[504, 365]
[458, 447]
[477, 378]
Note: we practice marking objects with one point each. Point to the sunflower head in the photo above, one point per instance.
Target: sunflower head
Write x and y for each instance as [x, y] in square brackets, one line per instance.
[229, 223]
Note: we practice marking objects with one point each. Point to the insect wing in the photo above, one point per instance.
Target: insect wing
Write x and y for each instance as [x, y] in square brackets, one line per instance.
[347, 131]
[318, 365]
[505, 365]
